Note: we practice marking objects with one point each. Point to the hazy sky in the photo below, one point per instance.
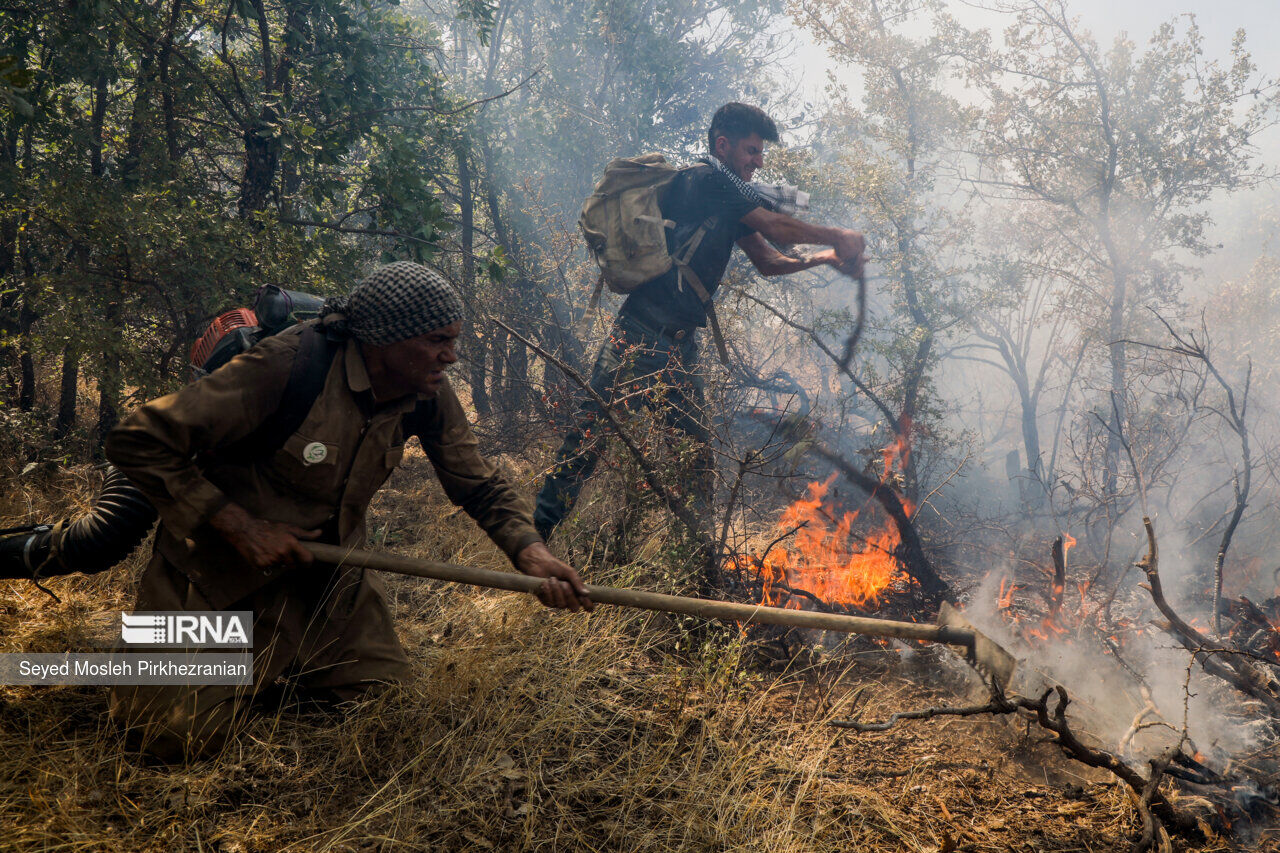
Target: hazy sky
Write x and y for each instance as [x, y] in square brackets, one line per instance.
[1218, 20]
[1238, 222]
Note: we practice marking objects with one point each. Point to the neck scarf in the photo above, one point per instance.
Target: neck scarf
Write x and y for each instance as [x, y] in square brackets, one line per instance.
[783, 198]
[743, 187]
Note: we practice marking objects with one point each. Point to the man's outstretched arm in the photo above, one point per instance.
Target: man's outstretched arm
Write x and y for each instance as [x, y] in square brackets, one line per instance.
[769, 261]
[475, 484]
[847, 244]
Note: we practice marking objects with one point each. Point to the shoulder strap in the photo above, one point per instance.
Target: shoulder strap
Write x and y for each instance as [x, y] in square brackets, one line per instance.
[583, 327]
[686, 273]
[306, 380]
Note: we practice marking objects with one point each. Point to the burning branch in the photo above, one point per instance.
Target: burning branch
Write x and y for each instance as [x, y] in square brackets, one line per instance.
[911, 550]
[1059, 554]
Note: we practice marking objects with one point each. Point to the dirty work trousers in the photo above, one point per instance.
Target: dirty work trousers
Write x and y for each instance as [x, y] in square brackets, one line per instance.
[638, 365]
[317, 632]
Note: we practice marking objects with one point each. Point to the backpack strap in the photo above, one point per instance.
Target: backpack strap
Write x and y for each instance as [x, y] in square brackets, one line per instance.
[686, 273]
[311, 364]
[583, 327]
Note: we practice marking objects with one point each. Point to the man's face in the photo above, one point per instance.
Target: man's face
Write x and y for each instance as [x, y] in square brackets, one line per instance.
[743, 156]
[418, 364]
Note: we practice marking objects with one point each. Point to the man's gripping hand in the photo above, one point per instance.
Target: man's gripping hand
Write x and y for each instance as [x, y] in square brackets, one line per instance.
[262, 544]
[562, 587]
[848, 249]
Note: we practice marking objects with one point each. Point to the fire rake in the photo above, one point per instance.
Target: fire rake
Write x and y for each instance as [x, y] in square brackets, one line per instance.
[987, 656]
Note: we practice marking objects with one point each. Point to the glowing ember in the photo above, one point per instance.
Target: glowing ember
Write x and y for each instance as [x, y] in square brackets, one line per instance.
[827, 558]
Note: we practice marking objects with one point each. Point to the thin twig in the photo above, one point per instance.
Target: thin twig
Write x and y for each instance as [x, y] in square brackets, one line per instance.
[678, 509]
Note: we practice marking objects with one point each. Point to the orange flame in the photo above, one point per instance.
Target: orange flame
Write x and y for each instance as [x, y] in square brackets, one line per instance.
[1006, 595]
[827, 558]
[1058, 621]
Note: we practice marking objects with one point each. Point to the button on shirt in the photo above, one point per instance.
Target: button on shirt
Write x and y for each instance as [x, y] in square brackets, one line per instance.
[324, 475]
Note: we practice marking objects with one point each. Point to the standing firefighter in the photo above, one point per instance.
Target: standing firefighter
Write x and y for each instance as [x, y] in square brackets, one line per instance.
[704, 211]
[232, 518]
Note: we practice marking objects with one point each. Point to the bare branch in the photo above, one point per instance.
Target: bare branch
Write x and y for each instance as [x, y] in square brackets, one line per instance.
[678, 509]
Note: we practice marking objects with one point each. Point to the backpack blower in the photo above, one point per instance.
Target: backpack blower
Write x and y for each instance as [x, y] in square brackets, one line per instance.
[122, 516]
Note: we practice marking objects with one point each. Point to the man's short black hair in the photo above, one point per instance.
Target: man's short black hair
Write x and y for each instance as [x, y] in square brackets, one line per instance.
[736, 121]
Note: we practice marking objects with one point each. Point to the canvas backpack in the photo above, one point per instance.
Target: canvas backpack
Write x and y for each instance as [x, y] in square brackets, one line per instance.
[626, 233]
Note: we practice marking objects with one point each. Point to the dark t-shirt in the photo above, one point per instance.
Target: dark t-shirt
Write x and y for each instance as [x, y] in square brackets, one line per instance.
[693, 196]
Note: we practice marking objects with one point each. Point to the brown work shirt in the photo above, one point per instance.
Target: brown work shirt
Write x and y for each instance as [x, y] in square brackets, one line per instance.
[323, 476]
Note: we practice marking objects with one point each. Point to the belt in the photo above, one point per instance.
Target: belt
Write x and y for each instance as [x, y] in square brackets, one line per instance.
[672, 332]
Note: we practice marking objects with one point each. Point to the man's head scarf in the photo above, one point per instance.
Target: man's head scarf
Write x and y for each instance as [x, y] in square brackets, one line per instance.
[396, 302]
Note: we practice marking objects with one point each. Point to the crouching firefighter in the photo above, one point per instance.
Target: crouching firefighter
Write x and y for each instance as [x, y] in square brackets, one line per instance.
[231, 519]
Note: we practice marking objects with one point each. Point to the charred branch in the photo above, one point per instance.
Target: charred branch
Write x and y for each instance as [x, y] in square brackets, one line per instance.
[1197, 349]
[851, 342]
[1058, 552]
[1050, 713]
[1234, 669]
[845, 366]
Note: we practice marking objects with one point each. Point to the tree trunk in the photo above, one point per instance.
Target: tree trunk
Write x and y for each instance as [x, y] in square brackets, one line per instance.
[261, 159]
[517, 377]
[27, 365]
[466, 189]
[109, 379]
[1036, 489]
[1119, 369]
[9, 238]
[139, 123]
[477, 351]
[96, 118]
[172, 151]
[69, 392]
[915, 377]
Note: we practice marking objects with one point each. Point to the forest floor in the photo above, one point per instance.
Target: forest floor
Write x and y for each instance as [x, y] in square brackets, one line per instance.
[525, 729]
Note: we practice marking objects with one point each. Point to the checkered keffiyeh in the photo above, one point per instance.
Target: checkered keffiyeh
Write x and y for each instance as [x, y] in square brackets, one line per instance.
[397, 302]
[784, 198]
[748, 191]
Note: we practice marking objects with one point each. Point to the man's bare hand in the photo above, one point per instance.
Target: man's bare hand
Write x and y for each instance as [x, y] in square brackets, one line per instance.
[826, 257]
[263, 544]
[849, 249]
[562, 587]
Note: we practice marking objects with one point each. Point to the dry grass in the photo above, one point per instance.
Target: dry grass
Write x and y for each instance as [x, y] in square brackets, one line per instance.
[528, 730]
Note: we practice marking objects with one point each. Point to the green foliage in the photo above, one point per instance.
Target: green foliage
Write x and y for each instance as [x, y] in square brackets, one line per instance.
[161, 161]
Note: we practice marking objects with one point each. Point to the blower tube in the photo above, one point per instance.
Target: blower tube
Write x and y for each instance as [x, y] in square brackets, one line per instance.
[116, 524]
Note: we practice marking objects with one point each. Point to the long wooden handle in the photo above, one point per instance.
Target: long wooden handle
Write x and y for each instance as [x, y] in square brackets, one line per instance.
[705, 608]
